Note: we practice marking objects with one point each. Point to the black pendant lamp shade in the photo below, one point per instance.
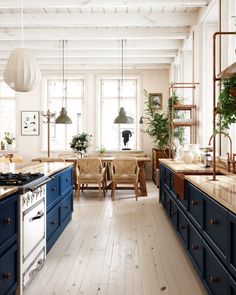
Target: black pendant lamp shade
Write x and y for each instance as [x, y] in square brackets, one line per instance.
[63, 118]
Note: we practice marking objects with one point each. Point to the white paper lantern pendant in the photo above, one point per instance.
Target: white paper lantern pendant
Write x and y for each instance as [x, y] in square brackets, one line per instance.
[22, 72]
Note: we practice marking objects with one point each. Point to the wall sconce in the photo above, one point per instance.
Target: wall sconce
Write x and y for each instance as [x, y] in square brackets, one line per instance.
[141, 119]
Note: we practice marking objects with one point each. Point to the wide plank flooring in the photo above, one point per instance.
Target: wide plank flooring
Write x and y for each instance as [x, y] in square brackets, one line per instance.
[118, 248]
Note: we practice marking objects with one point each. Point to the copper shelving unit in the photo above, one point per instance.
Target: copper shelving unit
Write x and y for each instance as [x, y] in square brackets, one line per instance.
[180, 107]
[216, 79]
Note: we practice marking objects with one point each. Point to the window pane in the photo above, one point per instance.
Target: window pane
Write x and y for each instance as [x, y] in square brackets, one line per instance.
[129, 88]
[8, 116]
[55, 88]
[74, 88]
[110, 88]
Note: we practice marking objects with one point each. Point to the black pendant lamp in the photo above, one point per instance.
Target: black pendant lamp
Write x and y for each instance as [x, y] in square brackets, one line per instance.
[63, 118]
[122, 118]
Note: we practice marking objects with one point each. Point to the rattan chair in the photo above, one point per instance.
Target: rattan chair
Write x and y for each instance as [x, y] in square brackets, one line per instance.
[91, 171]
[16, 159]
[125, 171]
[4, 160]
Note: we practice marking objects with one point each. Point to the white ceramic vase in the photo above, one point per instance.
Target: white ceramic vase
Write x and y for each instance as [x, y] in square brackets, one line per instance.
[188, 157]
[194, 148]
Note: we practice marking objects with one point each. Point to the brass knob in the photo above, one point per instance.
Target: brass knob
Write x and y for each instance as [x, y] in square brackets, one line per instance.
[194, 247]
[213, 279]
[212, 221]
[7, 220]
[54, 189]
[181, 226]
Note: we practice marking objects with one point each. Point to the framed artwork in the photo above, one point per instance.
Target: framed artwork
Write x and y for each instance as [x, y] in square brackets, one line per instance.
[157, 100]
[29, 123]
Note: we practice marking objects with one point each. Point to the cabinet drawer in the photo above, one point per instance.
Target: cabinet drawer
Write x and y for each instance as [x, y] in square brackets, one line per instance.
[167, 201]
[66, 206]
[183, 227]
[167, 177]
[174, 213]
[214, 274]
[8, 271]
[53, 191]
[53, 221]
[231, 286]
[8, 221]
[232, 243]
[215, 226]
[195, 201]
[66, 181]
[195, 247]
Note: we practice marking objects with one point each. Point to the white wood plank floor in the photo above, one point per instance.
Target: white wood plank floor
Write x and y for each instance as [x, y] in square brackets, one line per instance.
[118, 248]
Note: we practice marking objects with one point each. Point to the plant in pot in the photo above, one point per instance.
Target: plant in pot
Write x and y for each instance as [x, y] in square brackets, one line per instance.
[9, 139]
[226, 106]
[80, 143]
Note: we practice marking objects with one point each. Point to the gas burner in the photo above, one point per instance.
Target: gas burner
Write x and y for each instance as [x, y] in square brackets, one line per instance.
[18, 179]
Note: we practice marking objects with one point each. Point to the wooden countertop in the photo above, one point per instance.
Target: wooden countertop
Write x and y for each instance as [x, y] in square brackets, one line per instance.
[45, 168]
[223, 190]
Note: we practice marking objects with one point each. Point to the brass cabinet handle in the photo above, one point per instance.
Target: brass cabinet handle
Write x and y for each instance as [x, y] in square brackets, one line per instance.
[194, 203]
[213, 221]
[182, 226]
[67, 179]
[54, 189]
[7, 276]
[7, 220]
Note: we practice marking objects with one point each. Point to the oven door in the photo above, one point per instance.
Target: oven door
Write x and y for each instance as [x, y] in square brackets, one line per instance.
[33, 228]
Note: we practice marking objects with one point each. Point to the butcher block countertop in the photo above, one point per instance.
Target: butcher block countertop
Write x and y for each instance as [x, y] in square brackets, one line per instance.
[223, 189]
[46, 168]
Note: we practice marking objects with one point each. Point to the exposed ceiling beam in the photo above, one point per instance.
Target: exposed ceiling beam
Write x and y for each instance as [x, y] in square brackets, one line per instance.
[152, 19]
[94, 33]
[104, 3]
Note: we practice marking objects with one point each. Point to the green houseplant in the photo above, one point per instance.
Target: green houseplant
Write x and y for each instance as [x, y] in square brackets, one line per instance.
[80, 142]
[226, 106]
[9, 138]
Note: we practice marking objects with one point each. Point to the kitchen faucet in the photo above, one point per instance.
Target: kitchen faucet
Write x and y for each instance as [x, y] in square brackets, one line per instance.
[231, 157]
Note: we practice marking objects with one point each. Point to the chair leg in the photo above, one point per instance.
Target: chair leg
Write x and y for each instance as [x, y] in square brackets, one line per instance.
[103, 188]
[78, 193]
[100, 191]
[113, 190]
[136, 191]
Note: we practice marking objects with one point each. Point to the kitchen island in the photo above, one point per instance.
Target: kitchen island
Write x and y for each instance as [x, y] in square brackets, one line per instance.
[32, 217]
[203, 215]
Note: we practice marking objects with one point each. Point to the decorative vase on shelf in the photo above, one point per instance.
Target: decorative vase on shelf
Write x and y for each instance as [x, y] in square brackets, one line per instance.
[10, 146]
[180, 153]
[188, 157]
[194, 148]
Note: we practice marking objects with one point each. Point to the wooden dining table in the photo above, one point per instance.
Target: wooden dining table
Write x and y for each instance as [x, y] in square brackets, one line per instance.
[108, 160]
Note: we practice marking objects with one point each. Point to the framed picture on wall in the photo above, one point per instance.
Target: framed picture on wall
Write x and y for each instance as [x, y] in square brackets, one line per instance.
[157, 100]
[30, 123]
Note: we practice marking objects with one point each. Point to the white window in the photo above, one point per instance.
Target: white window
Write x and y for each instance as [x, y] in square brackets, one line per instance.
[112, 136]
[7, 110]
[61, 134]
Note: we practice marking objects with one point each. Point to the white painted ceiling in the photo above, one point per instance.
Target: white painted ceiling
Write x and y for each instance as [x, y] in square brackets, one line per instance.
[153, 30]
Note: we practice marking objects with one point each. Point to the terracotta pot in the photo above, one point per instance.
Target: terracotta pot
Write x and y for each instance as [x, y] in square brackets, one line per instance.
[233, 91]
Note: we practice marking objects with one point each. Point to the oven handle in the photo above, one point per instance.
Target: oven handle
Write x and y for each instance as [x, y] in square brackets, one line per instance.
[32, 188]
[39, 215]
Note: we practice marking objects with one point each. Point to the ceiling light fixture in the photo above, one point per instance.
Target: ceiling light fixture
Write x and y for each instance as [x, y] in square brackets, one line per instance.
[63, 118]
[22, 72]
[122, 118]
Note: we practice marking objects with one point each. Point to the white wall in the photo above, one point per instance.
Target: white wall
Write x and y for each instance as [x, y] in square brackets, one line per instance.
[31, 146]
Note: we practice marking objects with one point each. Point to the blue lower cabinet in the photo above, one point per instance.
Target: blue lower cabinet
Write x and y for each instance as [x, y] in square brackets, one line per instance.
[215, 227]
[195, 248]
[167, 201]
[66, 181]
[66, 207]
[9, 270]
[214, 274]
[53, 192]
[174, 214]
[231, 286]
[183, 228]
[232, 243]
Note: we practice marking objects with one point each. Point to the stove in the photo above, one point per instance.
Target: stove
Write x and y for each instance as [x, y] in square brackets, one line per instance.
[19, 179]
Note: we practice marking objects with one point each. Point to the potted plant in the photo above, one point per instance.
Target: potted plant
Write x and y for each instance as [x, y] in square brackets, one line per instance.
[226, 106]
[80, 143]
[9, 139]
[102, 150]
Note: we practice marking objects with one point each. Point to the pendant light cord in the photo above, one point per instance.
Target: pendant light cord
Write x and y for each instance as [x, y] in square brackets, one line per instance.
[22, 23]
[63, 71]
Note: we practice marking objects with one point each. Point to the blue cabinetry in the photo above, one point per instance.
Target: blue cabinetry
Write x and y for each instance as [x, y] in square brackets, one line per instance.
[8, 245]
[207, 230]
[59, 205]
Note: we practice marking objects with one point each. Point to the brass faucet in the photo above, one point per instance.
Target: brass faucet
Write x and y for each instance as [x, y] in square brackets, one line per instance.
[231, 157]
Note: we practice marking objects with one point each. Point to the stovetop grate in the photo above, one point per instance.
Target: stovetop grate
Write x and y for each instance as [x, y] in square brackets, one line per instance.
[18, 179]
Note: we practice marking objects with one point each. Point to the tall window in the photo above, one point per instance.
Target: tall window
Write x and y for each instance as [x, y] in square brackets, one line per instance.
[7, 110]
[61, 134]
[111, 101]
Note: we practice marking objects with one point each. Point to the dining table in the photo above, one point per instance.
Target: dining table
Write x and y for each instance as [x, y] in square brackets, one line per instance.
[107, 160]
